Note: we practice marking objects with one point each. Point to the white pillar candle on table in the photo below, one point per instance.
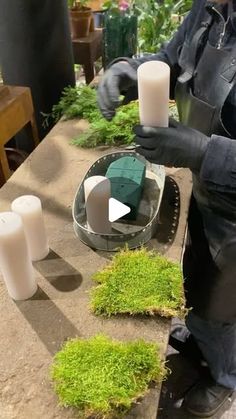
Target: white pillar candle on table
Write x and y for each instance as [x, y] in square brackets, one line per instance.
[16, 266]
[30, 209]
[153, 93]
[97, 192]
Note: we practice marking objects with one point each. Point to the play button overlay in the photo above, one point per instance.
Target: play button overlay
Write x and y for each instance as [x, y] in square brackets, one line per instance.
[117, 210]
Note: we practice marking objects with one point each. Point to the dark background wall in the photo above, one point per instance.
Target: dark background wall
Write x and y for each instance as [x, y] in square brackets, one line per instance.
[36, 50]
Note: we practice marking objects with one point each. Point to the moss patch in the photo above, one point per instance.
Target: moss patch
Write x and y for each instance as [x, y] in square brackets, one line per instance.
[139, 282]
[102, 377]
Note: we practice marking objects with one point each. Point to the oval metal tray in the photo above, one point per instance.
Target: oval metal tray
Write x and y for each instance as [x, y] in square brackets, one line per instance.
[124, 232]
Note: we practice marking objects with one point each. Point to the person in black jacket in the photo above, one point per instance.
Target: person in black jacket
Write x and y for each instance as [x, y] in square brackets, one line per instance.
[202, 58]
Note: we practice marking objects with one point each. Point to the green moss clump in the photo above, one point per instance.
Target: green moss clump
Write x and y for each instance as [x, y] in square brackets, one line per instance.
[139, 282]
[102, 377]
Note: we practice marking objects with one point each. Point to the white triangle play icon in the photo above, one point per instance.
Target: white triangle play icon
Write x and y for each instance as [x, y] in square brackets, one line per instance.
[117, 210]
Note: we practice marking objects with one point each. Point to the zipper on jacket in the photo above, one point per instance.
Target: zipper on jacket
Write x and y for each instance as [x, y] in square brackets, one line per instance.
[222, 34]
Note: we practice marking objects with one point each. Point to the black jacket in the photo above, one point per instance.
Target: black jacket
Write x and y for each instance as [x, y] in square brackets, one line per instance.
[215, 283]
[219, 166]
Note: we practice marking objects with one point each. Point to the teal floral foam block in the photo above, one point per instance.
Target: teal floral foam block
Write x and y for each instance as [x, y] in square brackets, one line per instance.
[127, 176]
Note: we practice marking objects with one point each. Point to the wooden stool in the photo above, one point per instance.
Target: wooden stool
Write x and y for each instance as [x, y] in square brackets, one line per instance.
[87, 51]
[16, 111]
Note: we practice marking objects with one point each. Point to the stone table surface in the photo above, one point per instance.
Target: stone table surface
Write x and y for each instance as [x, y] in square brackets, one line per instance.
[32, 331]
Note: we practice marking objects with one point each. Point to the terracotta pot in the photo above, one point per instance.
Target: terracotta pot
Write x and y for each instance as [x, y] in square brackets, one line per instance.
[80, 22]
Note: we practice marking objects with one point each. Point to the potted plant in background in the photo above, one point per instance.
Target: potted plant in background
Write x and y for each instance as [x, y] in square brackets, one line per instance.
[81, 18]
[157, 22]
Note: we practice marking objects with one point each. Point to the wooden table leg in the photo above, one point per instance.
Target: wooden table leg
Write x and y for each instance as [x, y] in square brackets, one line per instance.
[4, 164]
[89, 72]
[2, 178]
[34, 130]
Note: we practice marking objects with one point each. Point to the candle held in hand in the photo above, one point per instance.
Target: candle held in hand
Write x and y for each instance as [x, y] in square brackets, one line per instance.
[97, 191]
[16, 266]
[30, 209]
[153, 93]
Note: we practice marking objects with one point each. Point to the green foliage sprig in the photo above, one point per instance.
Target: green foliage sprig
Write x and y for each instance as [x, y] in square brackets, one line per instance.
[70, 3]
[76, 102]
[77, 4]
[81, 102]
[139, 282]
[102, 378]
[156, 23]
[116, 132]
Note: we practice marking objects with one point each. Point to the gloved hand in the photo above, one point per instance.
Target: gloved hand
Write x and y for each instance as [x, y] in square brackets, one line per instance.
[177, 145]
[119, 78]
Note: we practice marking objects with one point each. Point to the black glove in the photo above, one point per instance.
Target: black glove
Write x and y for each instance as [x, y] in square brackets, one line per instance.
[177, 145]
[119, 78]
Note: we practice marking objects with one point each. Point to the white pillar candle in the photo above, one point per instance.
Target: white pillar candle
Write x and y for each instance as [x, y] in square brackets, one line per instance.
[153, 92]
[30, 209]
[16, 266]
[97, 192]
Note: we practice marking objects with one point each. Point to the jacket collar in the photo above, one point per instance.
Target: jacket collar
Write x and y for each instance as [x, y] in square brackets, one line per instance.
[211, 7]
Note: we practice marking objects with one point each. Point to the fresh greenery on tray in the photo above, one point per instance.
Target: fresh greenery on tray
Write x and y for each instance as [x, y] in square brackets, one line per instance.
[139, 281]
[76, 102]
[116, 132]
[81, 102]
[102, 377]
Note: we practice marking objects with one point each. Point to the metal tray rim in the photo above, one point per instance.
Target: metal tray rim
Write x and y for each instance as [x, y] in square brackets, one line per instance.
[159, 173]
